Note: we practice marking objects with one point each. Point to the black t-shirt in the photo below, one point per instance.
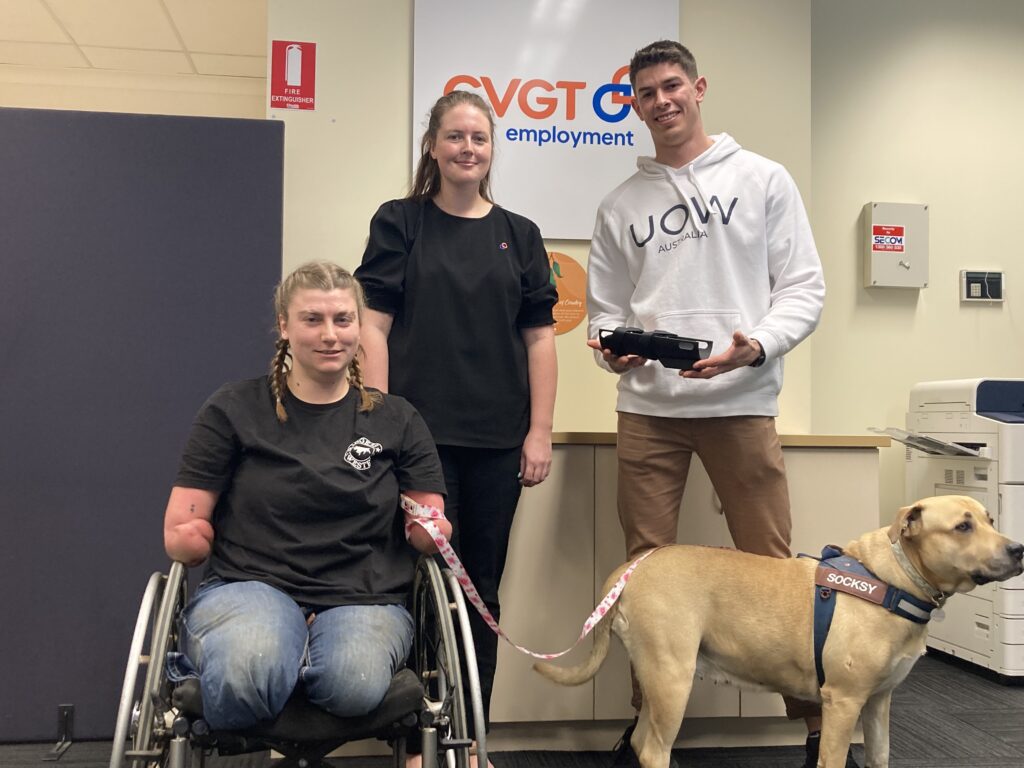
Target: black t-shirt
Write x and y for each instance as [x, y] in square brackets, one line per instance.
[311, 506]
[459, 290]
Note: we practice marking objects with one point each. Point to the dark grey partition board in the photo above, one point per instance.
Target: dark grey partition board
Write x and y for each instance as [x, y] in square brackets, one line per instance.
[138, 255]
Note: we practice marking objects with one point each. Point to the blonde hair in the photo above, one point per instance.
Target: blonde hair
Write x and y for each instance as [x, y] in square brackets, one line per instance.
[322, 276]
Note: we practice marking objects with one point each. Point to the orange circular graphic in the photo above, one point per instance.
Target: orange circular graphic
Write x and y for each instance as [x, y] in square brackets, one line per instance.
[570, 280]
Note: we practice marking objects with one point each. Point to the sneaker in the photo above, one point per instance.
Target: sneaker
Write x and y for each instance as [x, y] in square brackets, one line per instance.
[811, 752]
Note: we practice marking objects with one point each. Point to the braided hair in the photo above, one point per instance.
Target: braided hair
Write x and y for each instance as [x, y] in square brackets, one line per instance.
[323, 276]
[279, 366]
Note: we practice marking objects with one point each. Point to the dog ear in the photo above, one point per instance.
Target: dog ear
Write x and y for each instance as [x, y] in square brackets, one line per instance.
[907, 523]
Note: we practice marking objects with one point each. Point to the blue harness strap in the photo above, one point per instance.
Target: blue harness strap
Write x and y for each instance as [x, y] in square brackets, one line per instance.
[839, 572]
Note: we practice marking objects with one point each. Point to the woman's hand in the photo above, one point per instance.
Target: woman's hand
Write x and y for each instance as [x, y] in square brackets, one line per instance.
[535, 461]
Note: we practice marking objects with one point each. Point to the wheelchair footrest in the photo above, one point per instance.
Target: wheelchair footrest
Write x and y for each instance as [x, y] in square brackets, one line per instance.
[456, 743]
[133, 754]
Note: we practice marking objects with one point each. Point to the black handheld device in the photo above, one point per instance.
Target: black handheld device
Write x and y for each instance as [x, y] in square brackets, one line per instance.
[670, 350]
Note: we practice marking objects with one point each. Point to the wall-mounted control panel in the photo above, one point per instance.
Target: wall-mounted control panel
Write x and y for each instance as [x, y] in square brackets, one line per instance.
[981, 285]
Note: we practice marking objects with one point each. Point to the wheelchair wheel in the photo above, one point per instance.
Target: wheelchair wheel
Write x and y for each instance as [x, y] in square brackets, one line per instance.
[472, 681]
[436, 662]
[144, 715]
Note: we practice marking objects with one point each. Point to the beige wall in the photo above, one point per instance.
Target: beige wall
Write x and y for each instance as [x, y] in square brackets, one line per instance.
[914, 101]
[747, 50]
[351, 154]
[862, 101]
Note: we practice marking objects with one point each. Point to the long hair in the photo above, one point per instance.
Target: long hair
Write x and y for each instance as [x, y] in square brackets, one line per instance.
[426, 182]
[322, 276]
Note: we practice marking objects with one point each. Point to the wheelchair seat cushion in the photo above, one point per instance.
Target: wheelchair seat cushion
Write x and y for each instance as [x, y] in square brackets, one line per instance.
[301, 721]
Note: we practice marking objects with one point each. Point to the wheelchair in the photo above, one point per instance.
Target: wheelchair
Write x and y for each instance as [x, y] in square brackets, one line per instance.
[160, 723]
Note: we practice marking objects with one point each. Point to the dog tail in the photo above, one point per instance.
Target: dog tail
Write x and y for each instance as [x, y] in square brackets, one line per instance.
[580, 674]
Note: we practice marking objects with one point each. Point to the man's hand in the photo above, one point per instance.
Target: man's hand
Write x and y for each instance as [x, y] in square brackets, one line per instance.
[618, 363]
[742, 352]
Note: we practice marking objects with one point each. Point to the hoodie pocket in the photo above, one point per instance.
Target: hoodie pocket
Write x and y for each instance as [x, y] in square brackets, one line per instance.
[714, 325]
[656, 383]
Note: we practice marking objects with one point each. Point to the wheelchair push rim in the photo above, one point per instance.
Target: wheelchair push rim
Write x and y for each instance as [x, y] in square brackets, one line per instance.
[143, 713]
[436, 662]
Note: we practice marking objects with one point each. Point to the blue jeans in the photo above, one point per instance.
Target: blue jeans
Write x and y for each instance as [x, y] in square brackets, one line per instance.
[251, 645]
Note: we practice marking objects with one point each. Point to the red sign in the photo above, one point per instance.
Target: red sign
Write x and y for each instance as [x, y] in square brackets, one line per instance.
[887, 239]
[292, 75]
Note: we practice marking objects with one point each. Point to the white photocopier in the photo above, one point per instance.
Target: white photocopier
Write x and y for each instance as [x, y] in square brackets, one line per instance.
[966, 437]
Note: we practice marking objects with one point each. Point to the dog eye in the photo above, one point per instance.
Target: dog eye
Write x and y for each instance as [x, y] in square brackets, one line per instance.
[964, 527]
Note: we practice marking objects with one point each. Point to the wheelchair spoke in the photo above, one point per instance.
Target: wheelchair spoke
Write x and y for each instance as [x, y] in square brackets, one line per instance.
[436, 660]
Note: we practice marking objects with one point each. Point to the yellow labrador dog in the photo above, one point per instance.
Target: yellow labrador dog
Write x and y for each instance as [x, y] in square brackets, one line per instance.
[748, 619]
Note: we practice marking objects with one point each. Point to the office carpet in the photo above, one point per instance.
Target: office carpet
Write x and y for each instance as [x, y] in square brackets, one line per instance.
[945, 715]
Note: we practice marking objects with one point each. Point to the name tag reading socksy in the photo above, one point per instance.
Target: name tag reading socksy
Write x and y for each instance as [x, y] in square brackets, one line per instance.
[859, 586]
[424, 516]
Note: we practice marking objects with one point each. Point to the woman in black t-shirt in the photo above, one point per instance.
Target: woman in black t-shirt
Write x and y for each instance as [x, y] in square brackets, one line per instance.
[460, 322]
[289, 490]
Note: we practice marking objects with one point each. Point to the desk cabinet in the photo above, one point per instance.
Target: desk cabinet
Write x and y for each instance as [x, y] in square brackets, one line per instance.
[567, 539]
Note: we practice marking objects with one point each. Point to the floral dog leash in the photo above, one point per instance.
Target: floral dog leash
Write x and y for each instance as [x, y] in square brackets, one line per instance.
[424, 516]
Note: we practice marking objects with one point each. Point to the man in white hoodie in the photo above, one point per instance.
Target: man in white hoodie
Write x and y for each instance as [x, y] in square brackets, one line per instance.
[710, 241]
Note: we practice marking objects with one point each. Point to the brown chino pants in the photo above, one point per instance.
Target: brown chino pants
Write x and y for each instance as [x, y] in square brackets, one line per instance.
[743, 459]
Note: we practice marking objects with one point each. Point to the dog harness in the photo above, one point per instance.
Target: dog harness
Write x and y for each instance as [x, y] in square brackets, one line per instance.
[842, 573]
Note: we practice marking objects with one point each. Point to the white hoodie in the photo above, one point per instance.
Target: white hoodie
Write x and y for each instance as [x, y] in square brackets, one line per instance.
[719, 245]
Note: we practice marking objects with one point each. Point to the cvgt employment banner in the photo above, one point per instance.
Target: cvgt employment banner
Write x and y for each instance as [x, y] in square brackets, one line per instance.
[556, 75]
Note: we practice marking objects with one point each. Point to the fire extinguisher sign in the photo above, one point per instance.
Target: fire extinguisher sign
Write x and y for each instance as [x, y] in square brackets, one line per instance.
[292, 75]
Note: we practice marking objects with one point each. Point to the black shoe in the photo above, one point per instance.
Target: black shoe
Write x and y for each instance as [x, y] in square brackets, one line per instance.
[811, 752]
[625, 757]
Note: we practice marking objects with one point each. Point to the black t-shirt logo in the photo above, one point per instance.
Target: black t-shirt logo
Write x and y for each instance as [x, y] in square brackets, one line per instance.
[359, 453]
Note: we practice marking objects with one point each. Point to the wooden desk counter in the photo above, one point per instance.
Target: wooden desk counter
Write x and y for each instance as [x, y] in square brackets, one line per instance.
[567, 538]
[788, 441]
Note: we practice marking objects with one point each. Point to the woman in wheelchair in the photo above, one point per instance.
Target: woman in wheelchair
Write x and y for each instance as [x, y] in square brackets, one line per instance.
[288, 490]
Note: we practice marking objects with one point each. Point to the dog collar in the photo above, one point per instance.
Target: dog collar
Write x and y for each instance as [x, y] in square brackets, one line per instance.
[937, 596]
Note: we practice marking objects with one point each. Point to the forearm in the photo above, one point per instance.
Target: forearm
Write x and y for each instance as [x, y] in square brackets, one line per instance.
[374, 340]
[610, 287]
[542, 370]
[188, 532]
[795, 272]
[417, 535]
